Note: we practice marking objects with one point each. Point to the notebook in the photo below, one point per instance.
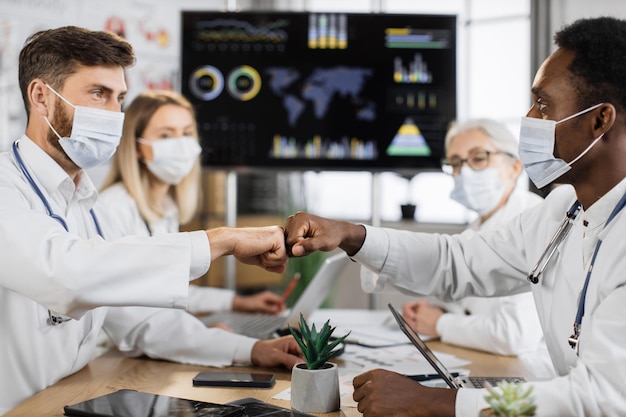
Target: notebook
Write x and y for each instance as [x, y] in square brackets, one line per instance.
[265, 326]
[449, 379]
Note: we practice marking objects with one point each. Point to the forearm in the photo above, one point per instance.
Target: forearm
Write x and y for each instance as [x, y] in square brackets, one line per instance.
[501, 325]
[221, 241]
[353, 236]
[209, 299]
[442, 404]
[175, 335]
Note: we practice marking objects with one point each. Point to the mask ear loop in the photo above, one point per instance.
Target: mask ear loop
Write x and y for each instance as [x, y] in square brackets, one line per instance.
[575, 114]
[586, 150]
[594, 141]
[51, 128]
[60, 96]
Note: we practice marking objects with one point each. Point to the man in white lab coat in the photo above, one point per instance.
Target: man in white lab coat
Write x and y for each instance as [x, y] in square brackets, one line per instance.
[575, 134]
[58, 273]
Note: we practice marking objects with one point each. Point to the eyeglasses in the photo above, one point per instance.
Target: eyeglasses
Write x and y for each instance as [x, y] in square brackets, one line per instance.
[477, 160]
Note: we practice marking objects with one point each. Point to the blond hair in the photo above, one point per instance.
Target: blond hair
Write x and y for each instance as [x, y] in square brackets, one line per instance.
[133, 173]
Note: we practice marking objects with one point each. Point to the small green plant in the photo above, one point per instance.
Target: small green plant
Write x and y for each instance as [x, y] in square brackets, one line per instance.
[317, 348]
[511, 400]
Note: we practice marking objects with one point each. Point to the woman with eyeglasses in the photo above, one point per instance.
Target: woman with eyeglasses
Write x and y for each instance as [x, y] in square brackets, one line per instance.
[481, 155]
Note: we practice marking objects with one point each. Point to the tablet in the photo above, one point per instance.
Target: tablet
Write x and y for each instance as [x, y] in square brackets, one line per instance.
[129, 403]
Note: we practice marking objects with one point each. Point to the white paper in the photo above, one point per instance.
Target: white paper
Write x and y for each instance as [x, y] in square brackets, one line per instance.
[404, 359]
[372, 328]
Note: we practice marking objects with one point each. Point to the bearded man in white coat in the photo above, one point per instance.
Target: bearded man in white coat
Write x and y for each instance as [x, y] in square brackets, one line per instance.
[58, 273]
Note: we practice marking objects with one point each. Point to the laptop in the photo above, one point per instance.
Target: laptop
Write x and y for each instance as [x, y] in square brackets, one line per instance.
[265, 326]
[450, 380]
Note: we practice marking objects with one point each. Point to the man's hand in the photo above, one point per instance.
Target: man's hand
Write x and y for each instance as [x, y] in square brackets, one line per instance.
[382, 393]
[283, 351]
[264, 302]
[422, 316]
[306, 233]
[260, 246]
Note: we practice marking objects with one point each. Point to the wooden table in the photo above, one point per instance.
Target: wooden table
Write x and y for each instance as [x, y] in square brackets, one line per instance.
[112, 371]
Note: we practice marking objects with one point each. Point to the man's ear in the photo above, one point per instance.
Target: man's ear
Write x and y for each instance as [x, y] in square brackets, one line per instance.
[604, 120]
[38, 97]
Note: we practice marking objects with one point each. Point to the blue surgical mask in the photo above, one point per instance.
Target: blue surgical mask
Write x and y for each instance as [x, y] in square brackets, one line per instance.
[536, 149]
[95, 134]
[480, 191]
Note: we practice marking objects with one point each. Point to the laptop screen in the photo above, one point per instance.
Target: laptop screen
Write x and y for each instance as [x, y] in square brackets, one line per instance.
[415, 338]
[318, 289]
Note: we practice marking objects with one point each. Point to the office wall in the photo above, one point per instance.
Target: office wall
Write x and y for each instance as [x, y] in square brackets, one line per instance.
[152, 27]
[566, 11]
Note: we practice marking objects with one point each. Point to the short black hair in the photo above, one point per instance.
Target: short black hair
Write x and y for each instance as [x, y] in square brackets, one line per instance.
[599, 64]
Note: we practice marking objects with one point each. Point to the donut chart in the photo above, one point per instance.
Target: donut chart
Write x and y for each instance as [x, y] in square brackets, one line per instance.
[206, 83]
[244, 83]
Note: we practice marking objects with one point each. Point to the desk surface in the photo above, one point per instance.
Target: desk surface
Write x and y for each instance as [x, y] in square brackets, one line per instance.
[112, 371]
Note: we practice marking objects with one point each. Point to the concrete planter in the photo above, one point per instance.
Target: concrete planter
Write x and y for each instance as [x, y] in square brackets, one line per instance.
[315, 390]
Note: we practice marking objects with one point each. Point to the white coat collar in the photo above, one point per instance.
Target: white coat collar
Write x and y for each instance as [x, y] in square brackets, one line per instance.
[52, 178]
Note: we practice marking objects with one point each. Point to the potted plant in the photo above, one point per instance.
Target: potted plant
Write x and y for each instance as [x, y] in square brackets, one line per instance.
[315, 383]
[509, 400]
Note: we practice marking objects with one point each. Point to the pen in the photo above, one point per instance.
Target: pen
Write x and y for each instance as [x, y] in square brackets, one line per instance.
[429, 377]
[291, 286]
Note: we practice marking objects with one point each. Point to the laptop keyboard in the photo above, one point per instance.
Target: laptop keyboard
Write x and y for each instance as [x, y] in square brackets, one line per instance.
[479, 381]
[252, 325]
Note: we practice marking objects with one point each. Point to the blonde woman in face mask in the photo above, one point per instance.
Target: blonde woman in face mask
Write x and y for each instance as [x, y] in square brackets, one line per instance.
[154, 186]
[481, 155]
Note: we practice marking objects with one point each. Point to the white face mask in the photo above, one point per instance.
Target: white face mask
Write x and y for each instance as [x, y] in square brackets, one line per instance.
[95, 134]
[479, 190]
[536, 149]
[173, 159]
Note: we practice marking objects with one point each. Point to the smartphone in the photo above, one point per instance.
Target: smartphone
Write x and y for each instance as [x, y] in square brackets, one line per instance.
[234, 379]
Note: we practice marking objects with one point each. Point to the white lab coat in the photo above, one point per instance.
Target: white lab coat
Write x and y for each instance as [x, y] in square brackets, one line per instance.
[75, 273]
[503, 325]
[123, 218]
[495, 263]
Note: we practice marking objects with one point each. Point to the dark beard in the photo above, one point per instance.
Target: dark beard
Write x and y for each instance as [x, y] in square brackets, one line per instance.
[63, 125]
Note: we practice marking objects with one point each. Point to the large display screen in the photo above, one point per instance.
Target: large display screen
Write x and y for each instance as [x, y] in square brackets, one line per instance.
[342, 91]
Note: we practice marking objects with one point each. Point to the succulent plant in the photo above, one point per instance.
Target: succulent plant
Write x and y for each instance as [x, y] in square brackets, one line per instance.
[511, 400]
[317, 348]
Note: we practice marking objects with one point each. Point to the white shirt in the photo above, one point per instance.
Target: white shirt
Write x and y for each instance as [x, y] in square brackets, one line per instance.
[75, 273]
[124, 219]
[496, 263]
[502, 325]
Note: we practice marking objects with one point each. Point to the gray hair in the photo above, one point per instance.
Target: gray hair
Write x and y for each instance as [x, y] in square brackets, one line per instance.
[500, 135]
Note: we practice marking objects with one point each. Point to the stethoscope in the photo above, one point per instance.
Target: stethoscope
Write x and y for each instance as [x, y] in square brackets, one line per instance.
[559, 236]
[555, 242]
[53, 320]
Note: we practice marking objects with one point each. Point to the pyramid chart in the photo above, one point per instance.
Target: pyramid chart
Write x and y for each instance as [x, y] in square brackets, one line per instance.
[409, 141]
